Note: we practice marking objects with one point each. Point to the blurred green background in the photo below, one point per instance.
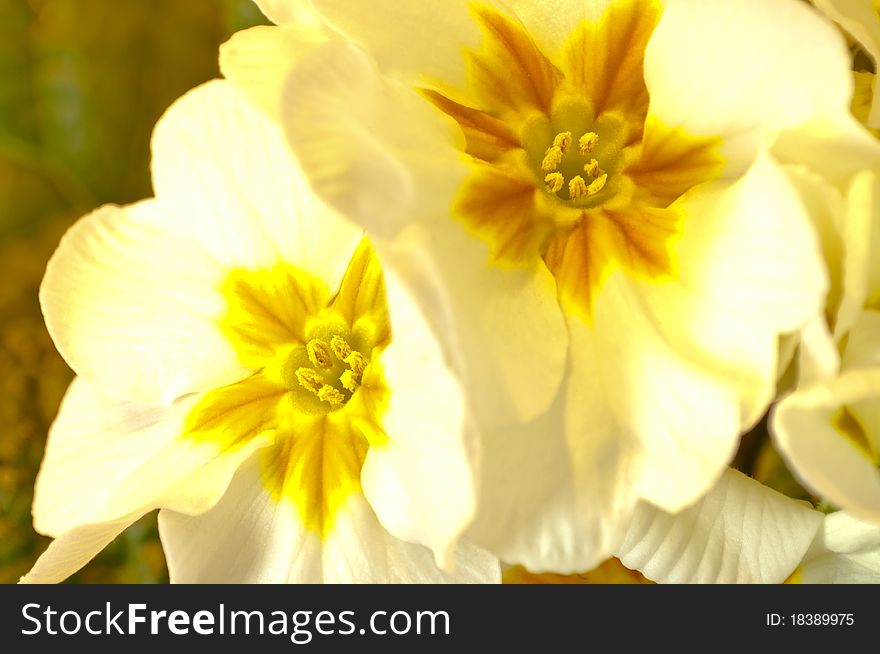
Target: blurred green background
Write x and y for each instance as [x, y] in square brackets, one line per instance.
[82, 82]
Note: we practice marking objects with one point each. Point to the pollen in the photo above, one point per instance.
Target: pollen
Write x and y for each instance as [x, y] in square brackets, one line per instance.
[356, 362]
[587, 142]
[349, 381]
[320, 353]
[597, 185]
[552, 159]
[340, 348]
[310, 380]
[562, 141]
[592, 169]
[555, 182]
[577, 188]
[331, 395]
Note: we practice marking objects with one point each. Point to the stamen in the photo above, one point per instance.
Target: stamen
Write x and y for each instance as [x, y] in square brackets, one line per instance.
[592, 169]
[310, 380]
[577, 188]
[597, 184]
[356, 362]
[329, 394]
[349, 381]
[319, 353]
[562, 141]
[552, 159]
[587, 142]
[555, 182]
[341, 349]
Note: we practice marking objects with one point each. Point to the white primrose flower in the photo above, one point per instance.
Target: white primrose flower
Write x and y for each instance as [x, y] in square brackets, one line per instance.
[242, 367]
[582, 196]
[828, 429]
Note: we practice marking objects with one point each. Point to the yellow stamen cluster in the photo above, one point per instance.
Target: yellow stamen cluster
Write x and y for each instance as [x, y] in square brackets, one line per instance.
[321, 356]
[578, 187]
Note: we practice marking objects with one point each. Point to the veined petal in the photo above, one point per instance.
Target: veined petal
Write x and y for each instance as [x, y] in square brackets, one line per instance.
[108, 458]
[698, 57]
[266, 543]
[421, 481]
[135, 308]
[237, 190]
[544, 510]
[846, 551]
[829, 434]
[741, 532]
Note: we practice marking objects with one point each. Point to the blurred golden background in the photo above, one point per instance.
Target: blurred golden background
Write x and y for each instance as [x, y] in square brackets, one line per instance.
[82, 82]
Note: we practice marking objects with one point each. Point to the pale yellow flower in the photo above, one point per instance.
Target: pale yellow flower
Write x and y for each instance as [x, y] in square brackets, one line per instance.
[245, 366]
[583, 198]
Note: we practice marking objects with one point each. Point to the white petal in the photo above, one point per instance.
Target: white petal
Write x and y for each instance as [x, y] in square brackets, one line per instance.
[250, 537]
[749, 269]
[703, 78]
[135, 308]
[821, 456]
[681, 417]
[540, 508]
[859, 18]
[257, 61]
[396, 35]
[741, 532]
[421, 483]
[359, 550]
[362, 139]
[108, 458]
[846, 551]
[73, 549]
[224, 167]
[288, 12]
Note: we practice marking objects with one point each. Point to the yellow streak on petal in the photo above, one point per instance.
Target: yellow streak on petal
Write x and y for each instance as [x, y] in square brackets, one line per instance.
[510, 74]
[849, 426]
[267, 310]
[604, 59]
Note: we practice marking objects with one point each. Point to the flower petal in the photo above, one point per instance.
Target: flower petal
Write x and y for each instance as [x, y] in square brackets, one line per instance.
[135, 308]
[108, 458]
[257, 60]
[697, 58]
[421, 482]
[288, 12]
[263, 541]
[224, 167]
[846, 551]
[811, 428]
[741, 532]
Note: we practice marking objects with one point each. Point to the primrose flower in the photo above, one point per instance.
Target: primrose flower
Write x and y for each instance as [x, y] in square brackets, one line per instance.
[582, 197]
[242, 366]
[828, 428]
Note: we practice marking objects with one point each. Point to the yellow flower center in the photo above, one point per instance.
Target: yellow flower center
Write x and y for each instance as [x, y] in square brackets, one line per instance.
[567, 166]
[317, 387]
